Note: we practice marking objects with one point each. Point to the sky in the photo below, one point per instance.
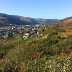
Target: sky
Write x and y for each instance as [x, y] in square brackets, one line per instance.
[48, 9]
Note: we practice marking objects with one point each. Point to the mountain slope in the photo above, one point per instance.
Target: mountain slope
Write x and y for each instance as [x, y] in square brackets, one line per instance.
[11, 19]
[67, 20]
[21, 20]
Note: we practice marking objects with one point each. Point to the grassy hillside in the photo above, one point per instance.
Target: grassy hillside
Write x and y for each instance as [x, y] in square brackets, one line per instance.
[50, 53]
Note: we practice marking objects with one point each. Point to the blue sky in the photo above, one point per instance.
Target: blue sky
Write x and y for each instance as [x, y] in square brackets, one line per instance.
[51, 9]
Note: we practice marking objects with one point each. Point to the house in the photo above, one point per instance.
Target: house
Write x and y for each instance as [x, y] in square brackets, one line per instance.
[26, 35]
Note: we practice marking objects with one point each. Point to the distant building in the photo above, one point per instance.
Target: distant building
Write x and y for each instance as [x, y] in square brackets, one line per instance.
[26, 35]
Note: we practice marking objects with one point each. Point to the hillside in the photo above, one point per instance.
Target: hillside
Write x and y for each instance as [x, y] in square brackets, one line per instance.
[67, 20]
[51, 52]
[21, 20]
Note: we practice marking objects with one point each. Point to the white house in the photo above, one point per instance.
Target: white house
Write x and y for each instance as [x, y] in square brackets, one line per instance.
[26, 35]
